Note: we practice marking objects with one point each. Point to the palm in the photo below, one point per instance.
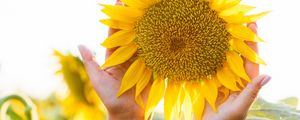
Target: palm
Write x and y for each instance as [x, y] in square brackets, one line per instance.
[232, 107]
[107, 82]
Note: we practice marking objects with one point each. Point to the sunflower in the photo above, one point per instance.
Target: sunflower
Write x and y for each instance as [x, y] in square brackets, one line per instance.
[81, 93]
[190, 49]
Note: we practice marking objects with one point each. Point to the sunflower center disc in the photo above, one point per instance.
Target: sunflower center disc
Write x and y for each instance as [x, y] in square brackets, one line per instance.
[182, 39]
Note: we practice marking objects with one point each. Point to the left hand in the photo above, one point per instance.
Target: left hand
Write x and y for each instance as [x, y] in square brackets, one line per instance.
[107, 82]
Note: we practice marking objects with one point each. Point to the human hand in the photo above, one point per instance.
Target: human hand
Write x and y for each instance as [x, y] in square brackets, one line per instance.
[237, 105]
[107, 82]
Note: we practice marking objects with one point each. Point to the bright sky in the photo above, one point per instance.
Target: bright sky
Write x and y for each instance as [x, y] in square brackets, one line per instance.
[31, 29]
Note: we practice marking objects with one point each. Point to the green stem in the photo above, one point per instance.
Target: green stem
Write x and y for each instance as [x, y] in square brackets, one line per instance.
[28, 107]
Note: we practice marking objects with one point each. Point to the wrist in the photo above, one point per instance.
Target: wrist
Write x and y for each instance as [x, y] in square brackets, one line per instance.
[126, 116]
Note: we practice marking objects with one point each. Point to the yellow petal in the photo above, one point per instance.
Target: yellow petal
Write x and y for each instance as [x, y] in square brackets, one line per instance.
[189, 86]
[227, 78]
[58, 54]
[217, 4]
[121, 55]
[230, 3]
[117, 24]
[236, 64]
[216, 82]
[240, 18]
[238, 9]
[155, 95]
[240, 82]
[142, 83]
[132, 76]
[241, 47]
[198, 100]
[198, 107]
[122, 13]
[170, 99]
[139, 101]
[192, 88]
[120, 38]
[255, 17]
[225, 92]
[181, 95]
[210, 92]
[179, 102]
[243, 33]
[187, 106]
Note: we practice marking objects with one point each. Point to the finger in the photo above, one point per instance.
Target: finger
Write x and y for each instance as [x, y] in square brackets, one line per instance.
[90, 64]
[253, 27]
[252, 69]
[103, 83]
[111, 31]
[248, 95]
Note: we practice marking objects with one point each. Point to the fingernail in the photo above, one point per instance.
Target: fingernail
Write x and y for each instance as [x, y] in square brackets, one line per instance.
[79, 47]
[265, 80]
[118, 2]
[253, 24]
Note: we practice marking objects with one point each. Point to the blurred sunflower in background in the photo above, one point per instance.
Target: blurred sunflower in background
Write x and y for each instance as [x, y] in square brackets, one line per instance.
[190, 49]
[82, 101]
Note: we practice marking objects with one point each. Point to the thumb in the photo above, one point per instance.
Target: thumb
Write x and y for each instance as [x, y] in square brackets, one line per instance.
[248, 95]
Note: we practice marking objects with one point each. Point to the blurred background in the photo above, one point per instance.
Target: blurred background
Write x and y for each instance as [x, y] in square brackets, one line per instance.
[31, 30]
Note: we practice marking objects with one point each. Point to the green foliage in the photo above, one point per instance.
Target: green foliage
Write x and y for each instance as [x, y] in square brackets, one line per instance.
[29, 111]
[50, 108]
[283, 110]
[12, 114]
[290, 101]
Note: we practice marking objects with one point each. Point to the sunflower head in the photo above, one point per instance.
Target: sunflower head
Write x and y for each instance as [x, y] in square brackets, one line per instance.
[176, 44]
[193, 47]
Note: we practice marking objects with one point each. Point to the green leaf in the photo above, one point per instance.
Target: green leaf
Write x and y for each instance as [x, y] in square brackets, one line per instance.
[290, 101]
[262, 110]
[12, 114]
